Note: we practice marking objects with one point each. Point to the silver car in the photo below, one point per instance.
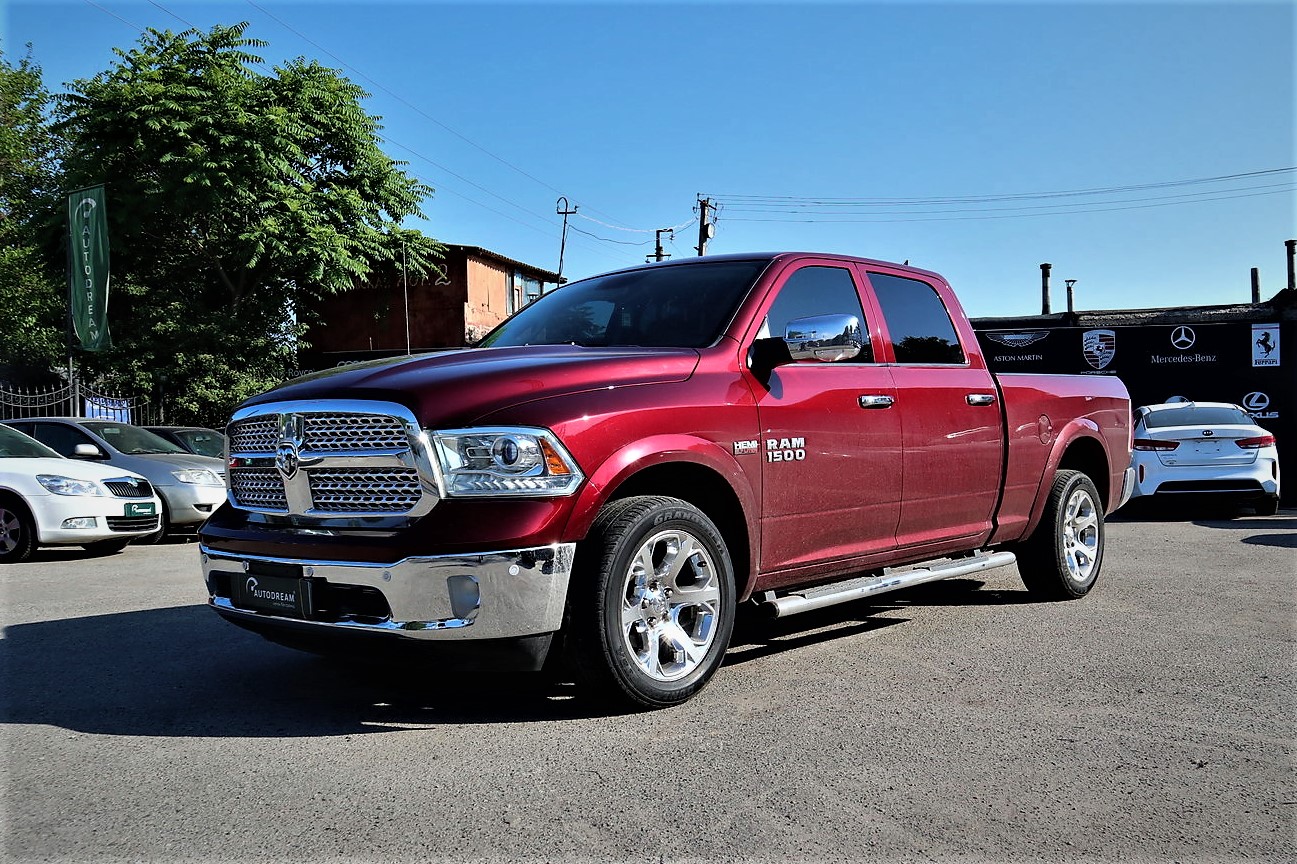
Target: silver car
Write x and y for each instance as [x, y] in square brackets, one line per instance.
[190, 486]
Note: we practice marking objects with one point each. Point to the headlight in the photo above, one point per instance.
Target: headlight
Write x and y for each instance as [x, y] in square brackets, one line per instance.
[505, 462]
[199, 477]
[68, 486]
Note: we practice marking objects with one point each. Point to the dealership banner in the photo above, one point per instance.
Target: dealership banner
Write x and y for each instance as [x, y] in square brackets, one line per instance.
[88, 267]
[1239, 362]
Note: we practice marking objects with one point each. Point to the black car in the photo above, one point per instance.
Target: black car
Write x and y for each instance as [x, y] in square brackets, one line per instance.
[194, 439]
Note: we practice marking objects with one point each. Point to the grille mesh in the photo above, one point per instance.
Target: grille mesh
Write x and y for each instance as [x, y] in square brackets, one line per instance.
[132, 523]
[348, 490]
[259, 435]
[347, 432]
[258, 487]
[122, 489]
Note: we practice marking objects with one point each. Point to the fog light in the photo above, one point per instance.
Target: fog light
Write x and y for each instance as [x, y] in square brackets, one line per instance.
[80, 522]
[465, 597]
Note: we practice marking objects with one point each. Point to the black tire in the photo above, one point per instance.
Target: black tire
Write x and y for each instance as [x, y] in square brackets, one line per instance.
[155, 537]
[17, 531]
[1062, 558]
[1268, 506]
[650, 639]
[107, 547]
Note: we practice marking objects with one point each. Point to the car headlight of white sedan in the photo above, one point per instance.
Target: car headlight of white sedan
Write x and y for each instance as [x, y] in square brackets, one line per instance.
[60, 485]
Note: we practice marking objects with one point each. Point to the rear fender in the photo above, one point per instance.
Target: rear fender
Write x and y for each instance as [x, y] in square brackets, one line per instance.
[1080, 429]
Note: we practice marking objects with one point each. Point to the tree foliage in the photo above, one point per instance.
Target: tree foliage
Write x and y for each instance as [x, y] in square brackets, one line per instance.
[236, 195]
[32, 336]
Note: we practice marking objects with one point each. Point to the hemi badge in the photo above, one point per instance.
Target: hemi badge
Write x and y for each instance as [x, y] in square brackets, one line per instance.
[742, 447]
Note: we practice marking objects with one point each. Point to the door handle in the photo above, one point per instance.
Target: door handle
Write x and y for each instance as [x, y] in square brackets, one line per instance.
[980, 399]
[876, 401]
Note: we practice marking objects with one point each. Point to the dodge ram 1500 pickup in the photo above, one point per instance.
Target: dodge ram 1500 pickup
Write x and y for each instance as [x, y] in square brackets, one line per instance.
[621, 463]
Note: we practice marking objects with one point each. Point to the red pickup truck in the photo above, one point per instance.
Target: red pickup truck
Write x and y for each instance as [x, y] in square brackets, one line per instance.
[616, 467]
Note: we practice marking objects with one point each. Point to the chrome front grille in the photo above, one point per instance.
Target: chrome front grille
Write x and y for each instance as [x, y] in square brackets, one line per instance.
[330, 459]
[124, 487]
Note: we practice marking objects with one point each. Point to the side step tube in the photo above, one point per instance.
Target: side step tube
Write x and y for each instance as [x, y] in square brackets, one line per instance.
[890, 580]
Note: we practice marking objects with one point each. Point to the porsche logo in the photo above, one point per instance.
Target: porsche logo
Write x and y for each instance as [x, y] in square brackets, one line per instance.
[1099, 346]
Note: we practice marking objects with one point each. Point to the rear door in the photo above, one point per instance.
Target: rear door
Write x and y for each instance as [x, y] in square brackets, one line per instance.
[951, 421]
[830, 446]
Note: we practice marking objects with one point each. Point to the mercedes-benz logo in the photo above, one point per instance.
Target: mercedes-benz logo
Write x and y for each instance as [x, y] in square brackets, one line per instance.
[1256, 401]
[1183, 337]
[286, 459]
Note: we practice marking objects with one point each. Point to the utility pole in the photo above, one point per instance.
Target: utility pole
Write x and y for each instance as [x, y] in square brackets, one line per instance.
[706, 228]
[405, 290]
[659, 253]
[561, 208]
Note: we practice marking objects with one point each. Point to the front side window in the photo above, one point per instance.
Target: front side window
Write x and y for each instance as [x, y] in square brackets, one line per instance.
[813, 291]
[917, 320]
[63, 439]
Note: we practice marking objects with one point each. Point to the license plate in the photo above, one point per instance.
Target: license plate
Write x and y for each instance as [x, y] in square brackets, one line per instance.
[145, 509]
[281, 595]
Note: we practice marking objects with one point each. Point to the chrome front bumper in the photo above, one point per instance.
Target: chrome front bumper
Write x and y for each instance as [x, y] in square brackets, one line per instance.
[493, 595]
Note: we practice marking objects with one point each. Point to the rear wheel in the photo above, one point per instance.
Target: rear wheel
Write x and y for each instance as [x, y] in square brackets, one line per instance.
[652, 603]
[17, 532]
[1062, 558]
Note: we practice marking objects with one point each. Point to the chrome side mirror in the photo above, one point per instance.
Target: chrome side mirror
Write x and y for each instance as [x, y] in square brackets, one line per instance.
[827, 338]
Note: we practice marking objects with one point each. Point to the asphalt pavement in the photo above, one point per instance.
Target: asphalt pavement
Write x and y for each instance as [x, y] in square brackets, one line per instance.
[958, 721]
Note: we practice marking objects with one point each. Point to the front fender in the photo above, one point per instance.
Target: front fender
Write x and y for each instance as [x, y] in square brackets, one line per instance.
[658, 450]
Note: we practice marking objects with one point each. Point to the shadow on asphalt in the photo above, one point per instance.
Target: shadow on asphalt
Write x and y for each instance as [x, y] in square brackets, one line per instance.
[183, 672]
[77, 553]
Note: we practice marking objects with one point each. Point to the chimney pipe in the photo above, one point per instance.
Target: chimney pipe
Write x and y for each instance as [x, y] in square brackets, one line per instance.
[1292, 274]
[1256, 285]
[1044, 286]
[1070, 283]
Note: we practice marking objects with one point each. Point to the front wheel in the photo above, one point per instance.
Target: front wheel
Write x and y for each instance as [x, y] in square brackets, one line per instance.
[652, 602]
[17, 533]
[1061, 559]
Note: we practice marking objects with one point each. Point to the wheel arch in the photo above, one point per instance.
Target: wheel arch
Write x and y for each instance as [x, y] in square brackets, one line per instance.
[1077, 448]
[696, 471]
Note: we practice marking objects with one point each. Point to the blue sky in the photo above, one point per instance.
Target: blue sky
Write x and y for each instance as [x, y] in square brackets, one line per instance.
[812, 126]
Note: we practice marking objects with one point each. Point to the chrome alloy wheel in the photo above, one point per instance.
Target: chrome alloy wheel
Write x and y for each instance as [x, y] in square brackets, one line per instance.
[670, 600]
[1080, 536]
[11, 529]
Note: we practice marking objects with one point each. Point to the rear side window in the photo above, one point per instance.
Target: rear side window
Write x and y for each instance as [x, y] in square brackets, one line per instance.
[917, 320]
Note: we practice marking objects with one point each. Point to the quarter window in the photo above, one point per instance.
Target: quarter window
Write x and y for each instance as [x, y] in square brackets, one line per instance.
[917, 320]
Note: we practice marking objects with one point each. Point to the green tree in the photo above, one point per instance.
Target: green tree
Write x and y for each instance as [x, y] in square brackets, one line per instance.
[235, 198]
[32, 338]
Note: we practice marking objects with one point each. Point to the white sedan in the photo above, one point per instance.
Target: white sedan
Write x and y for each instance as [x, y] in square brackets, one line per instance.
[48, 500]
[1205, 448]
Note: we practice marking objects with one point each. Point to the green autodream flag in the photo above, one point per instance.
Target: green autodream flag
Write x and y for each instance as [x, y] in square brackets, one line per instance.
[88, 267]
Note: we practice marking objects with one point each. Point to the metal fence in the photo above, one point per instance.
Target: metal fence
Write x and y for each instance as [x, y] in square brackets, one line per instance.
[76, 399]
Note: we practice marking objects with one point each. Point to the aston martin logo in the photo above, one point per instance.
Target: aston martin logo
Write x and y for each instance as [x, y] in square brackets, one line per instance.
[1018, 340]
[1100, 346]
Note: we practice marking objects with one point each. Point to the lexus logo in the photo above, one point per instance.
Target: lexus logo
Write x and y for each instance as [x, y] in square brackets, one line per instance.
[1256, 401]
[1183, 338]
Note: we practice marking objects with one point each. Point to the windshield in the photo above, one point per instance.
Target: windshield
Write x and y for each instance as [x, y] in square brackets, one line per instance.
[204, 442]
[1197, 416]
[666, 307]
[17, 445]
[131, 440]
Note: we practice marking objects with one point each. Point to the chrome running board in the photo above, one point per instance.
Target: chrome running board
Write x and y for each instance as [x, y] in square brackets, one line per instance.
[891, 579]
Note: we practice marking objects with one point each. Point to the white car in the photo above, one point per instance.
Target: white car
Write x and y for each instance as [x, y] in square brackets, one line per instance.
[1205, 448]
[48, 500]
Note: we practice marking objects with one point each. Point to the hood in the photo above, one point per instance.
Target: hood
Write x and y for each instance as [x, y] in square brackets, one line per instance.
[77, 469]
[457, 387]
